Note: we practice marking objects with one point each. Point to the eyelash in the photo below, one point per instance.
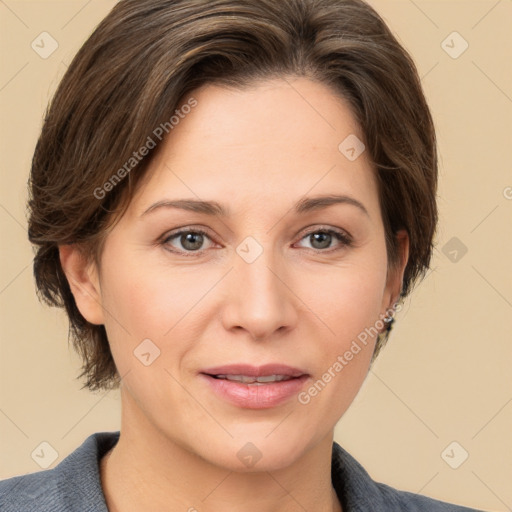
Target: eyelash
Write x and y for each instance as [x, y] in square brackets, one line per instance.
[344, 239]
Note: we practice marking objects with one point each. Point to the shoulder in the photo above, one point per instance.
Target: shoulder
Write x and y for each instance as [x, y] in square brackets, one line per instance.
[73, 485]
[35, 491]
[359, 492]
[411, 502]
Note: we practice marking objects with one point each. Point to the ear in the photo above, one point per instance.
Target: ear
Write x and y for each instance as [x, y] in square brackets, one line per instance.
[83, 279]
[396, 274]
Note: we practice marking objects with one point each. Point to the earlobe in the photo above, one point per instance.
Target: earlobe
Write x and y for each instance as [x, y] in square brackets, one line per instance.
[82, 277]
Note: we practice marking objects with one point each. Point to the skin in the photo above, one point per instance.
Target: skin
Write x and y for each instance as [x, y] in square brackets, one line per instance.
[257, 151]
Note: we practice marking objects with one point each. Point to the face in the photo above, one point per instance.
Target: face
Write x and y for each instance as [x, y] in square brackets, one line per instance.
[272, 295]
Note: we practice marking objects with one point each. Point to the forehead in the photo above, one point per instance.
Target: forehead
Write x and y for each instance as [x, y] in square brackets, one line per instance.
[275, 141]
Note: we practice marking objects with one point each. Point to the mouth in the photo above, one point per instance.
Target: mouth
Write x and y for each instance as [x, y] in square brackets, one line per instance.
[255, 387]
[247, 370]
[246, 379]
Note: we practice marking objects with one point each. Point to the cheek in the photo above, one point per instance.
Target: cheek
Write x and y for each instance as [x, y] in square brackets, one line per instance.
[151, 301]
[347, 299]
[348, 302]
[362, 299]
[148, 299]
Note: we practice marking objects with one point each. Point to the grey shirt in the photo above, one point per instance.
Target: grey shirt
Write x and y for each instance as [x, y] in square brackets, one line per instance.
[74, 485]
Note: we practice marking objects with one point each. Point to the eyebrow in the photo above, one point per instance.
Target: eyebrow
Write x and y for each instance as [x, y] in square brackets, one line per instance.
[214, 208]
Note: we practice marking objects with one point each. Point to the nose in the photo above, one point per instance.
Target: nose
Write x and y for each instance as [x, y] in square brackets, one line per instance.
[259, 299]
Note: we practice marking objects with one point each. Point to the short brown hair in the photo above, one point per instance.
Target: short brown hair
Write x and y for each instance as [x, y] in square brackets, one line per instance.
[147, 55]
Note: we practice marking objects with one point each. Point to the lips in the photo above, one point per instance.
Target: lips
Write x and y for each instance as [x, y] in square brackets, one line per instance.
[255, 371]
[255, 387]
[246, 379]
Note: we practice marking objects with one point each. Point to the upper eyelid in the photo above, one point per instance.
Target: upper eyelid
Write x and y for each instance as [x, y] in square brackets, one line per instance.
[308, 229]
[186, 229]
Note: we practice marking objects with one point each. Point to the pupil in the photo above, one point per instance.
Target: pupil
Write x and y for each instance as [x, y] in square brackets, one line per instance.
[322, 237]
[193, 238]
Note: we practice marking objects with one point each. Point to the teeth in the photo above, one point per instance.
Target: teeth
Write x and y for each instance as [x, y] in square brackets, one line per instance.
[251, 380]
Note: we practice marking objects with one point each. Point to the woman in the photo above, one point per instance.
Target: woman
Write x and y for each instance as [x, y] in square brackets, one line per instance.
[230, 199]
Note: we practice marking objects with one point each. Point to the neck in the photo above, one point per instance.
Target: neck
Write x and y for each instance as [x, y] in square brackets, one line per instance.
[146, 472]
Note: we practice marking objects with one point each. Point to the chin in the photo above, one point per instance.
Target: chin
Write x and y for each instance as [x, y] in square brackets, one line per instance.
[258, 452]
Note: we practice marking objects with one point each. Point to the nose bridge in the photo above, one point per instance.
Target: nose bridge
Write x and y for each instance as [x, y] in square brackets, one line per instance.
[259, 302]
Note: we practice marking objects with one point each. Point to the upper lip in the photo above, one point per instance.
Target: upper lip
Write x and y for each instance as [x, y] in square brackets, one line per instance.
[255, 371]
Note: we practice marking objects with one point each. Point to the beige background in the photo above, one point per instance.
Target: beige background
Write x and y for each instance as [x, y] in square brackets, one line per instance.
[445, 375]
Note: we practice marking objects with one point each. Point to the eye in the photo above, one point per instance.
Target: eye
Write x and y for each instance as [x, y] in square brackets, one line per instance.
[321, 239]
[190, 240]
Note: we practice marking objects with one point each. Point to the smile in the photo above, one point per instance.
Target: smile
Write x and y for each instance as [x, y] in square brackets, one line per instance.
[254, 387]
[247, 379]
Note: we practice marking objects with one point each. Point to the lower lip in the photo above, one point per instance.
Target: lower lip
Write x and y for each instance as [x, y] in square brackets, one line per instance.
[256, 396]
